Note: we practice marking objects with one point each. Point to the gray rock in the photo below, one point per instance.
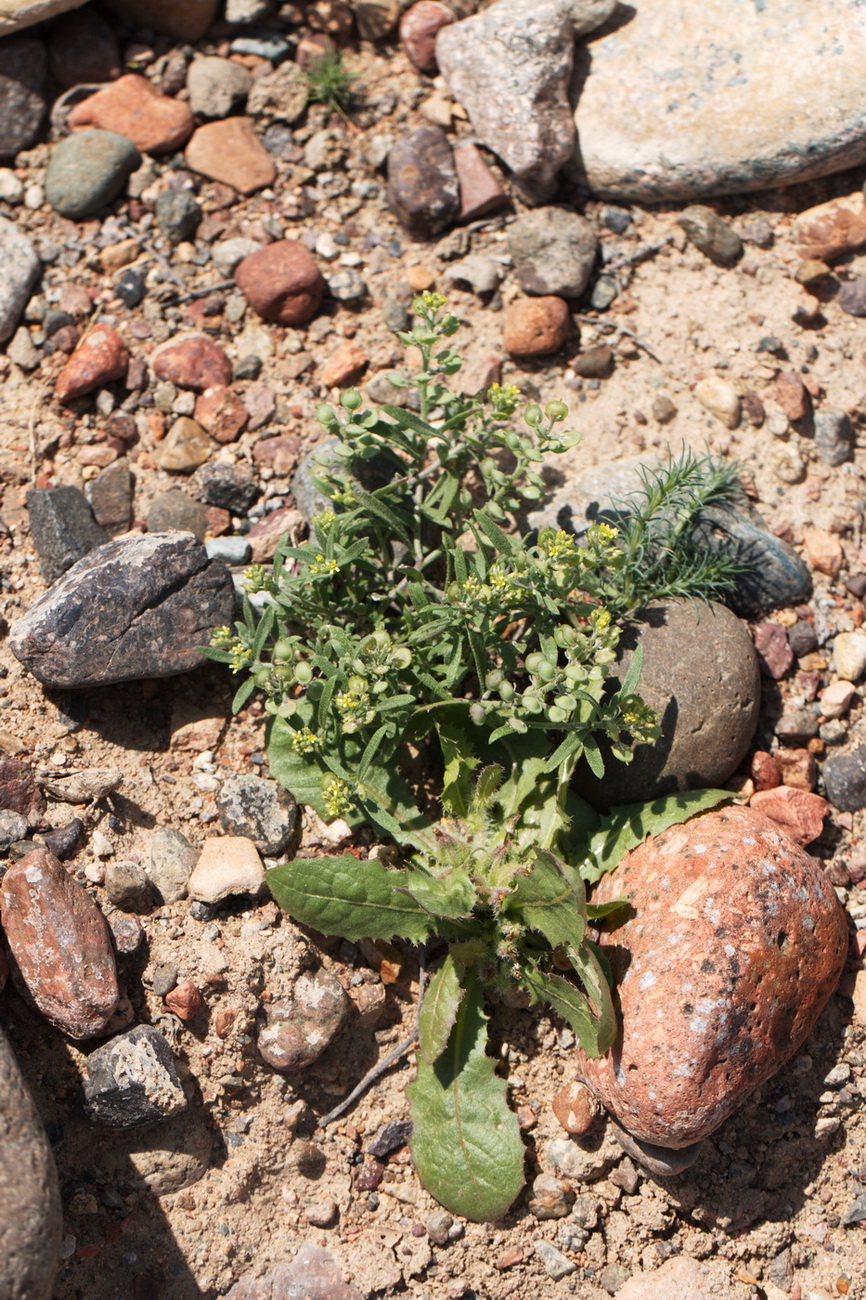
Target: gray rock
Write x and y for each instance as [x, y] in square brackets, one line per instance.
[231, 550]
[23, 68]
[31, 1218]
[856, 1211]
[110, 497]
[675, 103]
[231, 487]
[132, 1080]
[87, 170]
[585, 1159]
[175, 511]
[422, 182]
[482, 274]
[19, 271]
[346, 285]
[693, 652]
[13, 827]
[62, 527]
[438, 1225]
[282, 94]
[845, 779]
[554, 251]
[313, 1274]
[834, 436]
[127, 886]
[510, 67]
[217, 87]
[172, 859]
[177, 214]
[22, 350]
[661, 1162]
[260, 810]
[556, 1265]
[137, 607]
[301, 1027]
[715, 238]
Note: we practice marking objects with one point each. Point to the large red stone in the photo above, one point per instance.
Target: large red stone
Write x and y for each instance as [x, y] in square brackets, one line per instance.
[282, 282]
[135, 107]
[60, 945]
[100, 358]
[195, 362]
[733, 943]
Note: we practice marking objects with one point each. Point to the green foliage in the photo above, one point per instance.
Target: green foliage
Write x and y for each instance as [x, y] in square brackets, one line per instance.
[330, 82]
[412, 616]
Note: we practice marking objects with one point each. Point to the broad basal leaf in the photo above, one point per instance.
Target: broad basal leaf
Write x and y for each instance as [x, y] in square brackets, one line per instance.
[300, 773]
[452, 896]
[630, 824]
[466, 1141]
[439, 1011]
[356, 900]
[551, 899]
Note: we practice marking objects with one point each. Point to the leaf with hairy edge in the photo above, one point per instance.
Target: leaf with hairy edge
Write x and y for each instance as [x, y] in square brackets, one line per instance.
[568, 1002]
[439, 1010]
[465, 1140]
[352, 899]
[459, 760]
[450, 896]
[551, 899]
[630, 824]
[594, 976]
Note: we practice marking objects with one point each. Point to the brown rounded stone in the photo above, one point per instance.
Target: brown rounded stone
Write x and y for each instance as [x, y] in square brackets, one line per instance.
[188, 21]
[282, 282]
[61, 945]
[422, 182]
[99, 359]
[300, 1028]
[195, 362]
[135, 107]
[733, 942]
[535, 327]
[231, 152]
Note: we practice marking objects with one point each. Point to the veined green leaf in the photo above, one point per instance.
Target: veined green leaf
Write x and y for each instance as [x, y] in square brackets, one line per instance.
[242, 694]
[439, 1010]
[632, 677]
[460, 762]
[629, 825]
[408, 420]
[594, 973]
[342, 896]
[300, 773]
[598, 911]
[568, 1002]
[451, 896]
[466, 1141]
[551, 899]
[504, 544]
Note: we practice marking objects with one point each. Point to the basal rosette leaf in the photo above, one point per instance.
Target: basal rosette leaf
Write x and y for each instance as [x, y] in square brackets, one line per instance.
[450, 896]
[466, 1141]
[439, 1010]
[345, 897]
[551, 899]
[630, 824]
[569, 1002]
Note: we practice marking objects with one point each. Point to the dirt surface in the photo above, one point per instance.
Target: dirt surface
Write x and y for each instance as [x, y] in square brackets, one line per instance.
[763, 1207]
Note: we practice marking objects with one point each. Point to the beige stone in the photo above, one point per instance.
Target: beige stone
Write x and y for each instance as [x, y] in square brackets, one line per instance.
[227, 865]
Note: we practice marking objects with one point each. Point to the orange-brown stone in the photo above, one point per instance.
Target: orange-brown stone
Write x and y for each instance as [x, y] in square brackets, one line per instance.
[282, 282]
[535, 327]
[135, 107]
[100, 358]
[230, 151]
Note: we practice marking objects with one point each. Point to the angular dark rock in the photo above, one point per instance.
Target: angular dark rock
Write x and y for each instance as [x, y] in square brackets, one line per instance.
[174, 511]
[712, 235]
[23, 88]
[845, 779]
[62, 527]
[110, 497]
[231, 487]
[260, 810]
[133, 1080]
[136, 607]
[422, 182]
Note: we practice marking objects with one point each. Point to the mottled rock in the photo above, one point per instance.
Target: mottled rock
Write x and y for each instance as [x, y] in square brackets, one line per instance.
[419, 28]
[134, 107]
[480, 191]
[82, 48]
[188, 21]
[19, 271]
[172, 859]
[231, 487]
[217, 86]
[535, 327]
[586, 1159]
[851, 297]
[127, 886]
[227, 865]
[87, 170]
[62, 527]
[344, 366]
[282, 94]
[192, 361]
[60, 944]
[553, 250]
[834, 436]
[13, 827]
[712, 235]
[510, 67]
[849, 655]
[799, 812]
[549, 1198]
[223, 413]
[678, 1278]
[690, 649]
[832, 229]
[301, 1027]
[31, 1217]
[19, 792]
[231, 152]
[175, 511]
[109, 496]
[262, 811]
[100, 358]
[132, 1080]
[733, 944]
[575, 1108]
[23, 87]
[792, 395]
[136, 607]
[422, 182]
[845, 779]
[282, 282]
[674, 104]
[313, 1274]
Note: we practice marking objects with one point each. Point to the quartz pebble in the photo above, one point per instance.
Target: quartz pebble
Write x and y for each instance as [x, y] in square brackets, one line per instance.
[849, 655]
[132, 1080]
[227, 865]
[722, 400]
[836, 699]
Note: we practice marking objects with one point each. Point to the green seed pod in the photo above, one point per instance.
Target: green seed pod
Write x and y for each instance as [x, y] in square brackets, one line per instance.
[533, 661]
[566, 702]
[283, 650]
[555, 714]
[351, 399]
[357, 684]
[262, 675]
[556, 411]
[546, 671]
[532, 415]
[494, 679]
[303, 673]
[506, 692]
[402, 657]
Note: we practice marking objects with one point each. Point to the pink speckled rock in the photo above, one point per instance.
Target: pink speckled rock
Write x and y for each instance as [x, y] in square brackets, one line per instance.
[733, 944]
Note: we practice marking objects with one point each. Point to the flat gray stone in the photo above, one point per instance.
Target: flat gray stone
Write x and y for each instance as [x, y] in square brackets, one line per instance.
[19, 271]
[62, 527]
[260, 810]
[87, 170]
[678, 100]
[172, 859]
[553, 251]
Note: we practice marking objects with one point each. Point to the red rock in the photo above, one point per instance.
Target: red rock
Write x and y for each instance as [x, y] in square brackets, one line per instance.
[419, 27]
[792, 395]
[184, 1000]
[264, 536]
[222, 413]
[344, 366]
[231, 152]
[823, 551]
[100, 358]
[281, 453]
[135, 107]
[773, 649]
[60, 945]
[832, 229]
[194, 361]
[764, 771]
[575, 1108]
[535, 327]
[261, 403]
[282, 282]
[798, 812]
[18, 789]
[299, 1028]
[798, 768]
[733, 945]
[480, 191]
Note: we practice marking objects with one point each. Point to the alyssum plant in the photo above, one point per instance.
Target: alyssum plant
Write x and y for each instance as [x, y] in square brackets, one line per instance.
[412, 652]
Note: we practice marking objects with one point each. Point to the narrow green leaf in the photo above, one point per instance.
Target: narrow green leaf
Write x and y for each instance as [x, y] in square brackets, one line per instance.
[242, 694]
[594, 975]
[376, 506]
[408, 420]
[569, 1002]
[439, 1011]
[466, 1141]
[632, 677]
[592, 754]
[461, 572]
[551, 899]
[630, 824]
[342, 896]
[451, 896]
[504, 544]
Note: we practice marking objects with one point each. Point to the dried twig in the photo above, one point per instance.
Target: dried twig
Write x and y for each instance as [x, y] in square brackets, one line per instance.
[609, 324]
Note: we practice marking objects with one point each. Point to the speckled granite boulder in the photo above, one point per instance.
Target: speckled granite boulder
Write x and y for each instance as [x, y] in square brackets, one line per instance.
[682, 100]
[701, 675]
[733, 943]
[31, 1218]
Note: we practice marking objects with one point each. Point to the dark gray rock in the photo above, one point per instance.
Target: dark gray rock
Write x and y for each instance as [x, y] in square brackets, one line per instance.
[137, 607]
[856, 1211]
[852, 296]
[110, 497]
[422, 182]
[797, 726]
[13, 827]
[390, 1137]
[127, 886]
[554, 251]
[661, 1162]
[132, 1080]
[694, 652]
[802, 638]
[64, 840]
[19, 271]
[834, 436]
[177, 214]
[175, 511]
[231, 487]
[82, 47]
[31, 1218]
[301, 1027]
[172, 859]
[23, 69]
[313, 1274]
[713, 236]
[87, 170]
[845, 779]
[262, 811]
[62, 527]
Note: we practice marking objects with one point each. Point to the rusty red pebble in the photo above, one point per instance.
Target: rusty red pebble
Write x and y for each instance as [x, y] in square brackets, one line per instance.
[282, 282]
[100, 358]
[194, 361]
